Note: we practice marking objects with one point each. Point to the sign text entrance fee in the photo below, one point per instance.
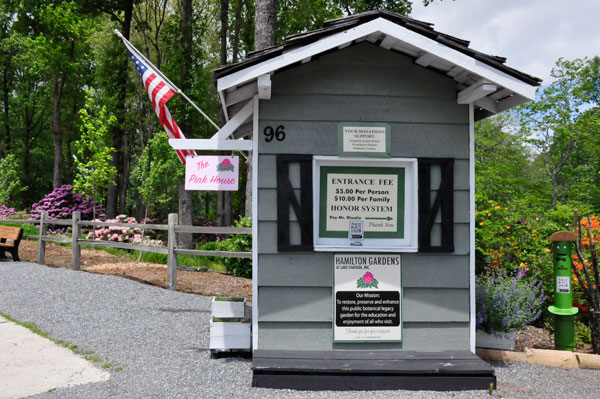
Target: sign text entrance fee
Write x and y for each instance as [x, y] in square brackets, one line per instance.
[368, 299]
[374, 195]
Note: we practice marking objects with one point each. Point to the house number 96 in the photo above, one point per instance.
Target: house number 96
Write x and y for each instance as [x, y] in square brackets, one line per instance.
[278, 133]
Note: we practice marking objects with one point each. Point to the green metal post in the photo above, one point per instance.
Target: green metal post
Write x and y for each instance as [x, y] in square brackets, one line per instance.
[563, 310]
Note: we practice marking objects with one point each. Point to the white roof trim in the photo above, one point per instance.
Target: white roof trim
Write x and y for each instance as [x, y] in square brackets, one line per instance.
[388, 28]
[211, 144]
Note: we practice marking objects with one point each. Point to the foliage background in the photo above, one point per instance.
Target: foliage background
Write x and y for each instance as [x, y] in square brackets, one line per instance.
[534, 165]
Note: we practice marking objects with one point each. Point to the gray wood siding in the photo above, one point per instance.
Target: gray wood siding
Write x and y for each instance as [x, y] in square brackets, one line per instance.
[362, 83]
[267, 170]
[267, 240]
[318, 336]
[408, 139]
[315, 270]
[315, 304]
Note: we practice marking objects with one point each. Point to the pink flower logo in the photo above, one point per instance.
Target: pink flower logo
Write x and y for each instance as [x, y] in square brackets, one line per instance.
[225, 166]
[367, 281]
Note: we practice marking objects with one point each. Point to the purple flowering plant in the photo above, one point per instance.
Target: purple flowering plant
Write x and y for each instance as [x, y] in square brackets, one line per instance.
[507, 303]
[61, 203]
[203, 222]
[6, 211]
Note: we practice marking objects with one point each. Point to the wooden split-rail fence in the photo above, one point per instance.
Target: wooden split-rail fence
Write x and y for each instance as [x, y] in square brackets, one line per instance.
[172, 227]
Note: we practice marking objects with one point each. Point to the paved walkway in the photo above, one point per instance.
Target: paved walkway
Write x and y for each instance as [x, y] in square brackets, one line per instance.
[31, 364]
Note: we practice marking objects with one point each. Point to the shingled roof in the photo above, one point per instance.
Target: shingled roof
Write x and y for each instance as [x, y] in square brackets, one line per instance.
[337, 25]
[481, 79]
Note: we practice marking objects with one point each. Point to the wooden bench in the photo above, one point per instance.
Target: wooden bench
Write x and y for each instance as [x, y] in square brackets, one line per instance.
[10, 238]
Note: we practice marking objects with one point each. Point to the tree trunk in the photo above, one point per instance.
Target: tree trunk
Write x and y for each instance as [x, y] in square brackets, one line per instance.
[224, 197]
[56, 133]
[124, 183]
[224, 208]
[186, 41]
[595, 327]
[264, 37]
[139, 208]
[26, 201]
[554, 191]
[236, 31]
[114, 197]
[185, 216]
[266, 24]
[224, 26]
[7, 121]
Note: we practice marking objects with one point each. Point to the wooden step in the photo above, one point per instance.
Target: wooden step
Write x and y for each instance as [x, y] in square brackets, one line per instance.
[365, 370]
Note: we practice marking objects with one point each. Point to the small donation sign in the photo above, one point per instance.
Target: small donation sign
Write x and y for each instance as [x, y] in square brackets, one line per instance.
[364, 139]
[212, 173]
[368, 300]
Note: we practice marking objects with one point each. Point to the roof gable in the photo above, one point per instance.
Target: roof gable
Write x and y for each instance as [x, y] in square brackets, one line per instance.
[506, 87]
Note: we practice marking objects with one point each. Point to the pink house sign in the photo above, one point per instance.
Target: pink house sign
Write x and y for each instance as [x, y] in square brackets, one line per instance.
[212, 173]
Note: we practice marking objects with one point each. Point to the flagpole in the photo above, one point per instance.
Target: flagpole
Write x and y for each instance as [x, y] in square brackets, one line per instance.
[177, 90]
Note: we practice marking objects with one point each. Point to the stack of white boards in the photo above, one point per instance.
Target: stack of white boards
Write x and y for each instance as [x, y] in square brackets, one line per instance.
[229, 326]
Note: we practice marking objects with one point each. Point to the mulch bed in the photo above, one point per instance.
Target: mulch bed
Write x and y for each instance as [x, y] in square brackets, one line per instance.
[100, 262]
[540, 338]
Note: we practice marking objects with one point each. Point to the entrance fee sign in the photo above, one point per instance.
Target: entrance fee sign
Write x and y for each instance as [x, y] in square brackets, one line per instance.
[367, 303]
[212, 173]
[374, 195]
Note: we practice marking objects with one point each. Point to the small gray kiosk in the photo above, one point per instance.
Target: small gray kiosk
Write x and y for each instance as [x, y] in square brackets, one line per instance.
[363, 150]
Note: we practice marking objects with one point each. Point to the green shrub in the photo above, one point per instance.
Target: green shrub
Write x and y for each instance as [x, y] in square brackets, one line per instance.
[239, 267]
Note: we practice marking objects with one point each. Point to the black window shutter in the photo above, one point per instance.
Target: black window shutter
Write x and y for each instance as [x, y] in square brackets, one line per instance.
[443, 202]
[286, 198]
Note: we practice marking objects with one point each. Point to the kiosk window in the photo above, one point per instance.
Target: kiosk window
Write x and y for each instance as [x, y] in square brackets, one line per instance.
[380, 195]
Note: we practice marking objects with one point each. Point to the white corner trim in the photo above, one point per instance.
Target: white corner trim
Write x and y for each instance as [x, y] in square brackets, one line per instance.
[240, 94]
[264, 87]
[223, 105]
[255, 135]
[211, 144]
[230, 127]
[472, 315]
[388, 28]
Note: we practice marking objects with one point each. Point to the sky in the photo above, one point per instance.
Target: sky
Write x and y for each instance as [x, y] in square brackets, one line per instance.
[531, 34]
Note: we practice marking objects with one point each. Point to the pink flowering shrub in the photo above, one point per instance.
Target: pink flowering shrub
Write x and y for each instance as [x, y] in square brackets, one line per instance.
[62, 202]
[123, 234]
[6, 211]
[368, 278]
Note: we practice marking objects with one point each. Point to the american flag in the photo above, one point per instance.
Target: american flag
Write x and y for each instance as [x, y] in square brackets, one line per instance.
[159, 92]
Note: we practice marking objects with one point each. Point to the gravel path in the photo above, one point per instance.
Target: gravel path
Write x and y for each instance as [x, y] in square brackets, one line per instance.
[160, 338]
